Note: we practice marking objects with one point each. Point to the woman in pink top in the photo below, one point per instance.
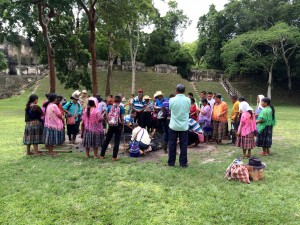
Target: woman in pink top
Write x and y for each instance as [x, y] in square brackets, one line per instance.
[53, 127]
[93, 128]
[246, 130]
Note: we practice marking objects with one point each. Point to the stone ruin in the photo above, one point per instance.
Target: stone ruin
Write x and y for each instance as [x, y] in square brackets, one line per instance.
[164, 68]
[126, 65]
[22, 70]
[206, 75]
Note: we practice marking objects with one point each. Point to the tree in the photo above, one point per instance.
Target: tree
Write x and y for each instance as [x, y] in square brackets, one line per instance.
[89, 8]
[252, 50]
[214, 30]
[30, 16]
[139, 13]
[288, 39]
[111, 32]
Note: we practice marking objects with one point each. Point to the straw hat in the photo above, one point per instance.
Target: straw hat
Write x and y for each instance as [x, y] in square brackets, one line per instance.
[158, 93]
[84, 92]
[146, 97]
[75, 95]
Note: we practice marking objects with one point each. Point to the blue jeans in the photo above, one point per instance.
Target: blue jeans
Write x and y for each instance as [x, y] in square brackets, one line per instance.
[183, 139]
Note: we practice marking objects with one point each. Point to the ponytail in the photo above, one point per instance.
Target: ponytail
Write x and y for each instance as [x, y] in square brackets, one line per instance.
[32, 98]
[273, 111]
[251, 113]
[91, 103]
[88, 111]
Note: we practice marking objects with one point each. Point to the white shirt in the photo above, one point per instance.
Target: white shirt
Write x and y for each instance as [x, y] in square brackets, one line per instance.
[212, 103]
[137, 134]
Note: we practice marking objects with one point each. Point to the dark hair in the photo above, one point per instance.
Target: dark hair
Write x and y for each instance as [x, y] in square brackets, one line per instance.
[133, 112]
[51, 98]
[233, 97]
[203, 92]
[219, 96]
[210, 93]
[91, 103]
[180, 88]
[135, 125]
[117, 99]
[268, 101]
[192, 100]
[60, 98]
[242, 99]
[251, 113]
[205, 100]
[172, 95]
[31, 99]
[191, 94]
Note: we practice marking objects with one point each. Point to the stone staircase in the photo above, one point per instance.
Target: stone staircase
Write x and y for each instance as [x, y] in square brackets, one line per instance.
[229, 88]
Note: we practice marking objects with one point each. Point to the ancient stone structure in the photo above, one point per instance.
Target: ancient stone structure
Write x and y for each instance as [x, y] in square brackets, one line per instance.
[126, 65]
[20, 60]
[22, 70]
[207, 75]
[229, 88]
[164, 68]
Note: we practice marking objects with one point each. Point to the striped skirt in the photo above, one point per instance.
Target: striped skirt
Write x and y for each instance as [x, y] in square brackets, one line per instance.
[92, 139]
[219, 130]
[206, 127]
[33, 133]
[246, 142]
[264, 139]
[53, 136]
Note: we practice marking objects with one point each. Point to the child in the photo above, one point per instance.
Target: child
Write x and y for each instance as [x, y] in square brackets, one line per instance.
[115, 119]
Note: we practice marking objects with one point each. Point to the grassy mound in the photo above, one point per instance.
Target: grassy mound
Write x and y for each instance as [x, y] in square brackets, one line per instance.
[121, 83]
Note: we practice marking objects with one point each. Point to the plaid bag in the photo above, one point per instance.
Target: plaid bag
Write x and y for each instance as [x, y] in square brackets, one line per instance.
[238, 171]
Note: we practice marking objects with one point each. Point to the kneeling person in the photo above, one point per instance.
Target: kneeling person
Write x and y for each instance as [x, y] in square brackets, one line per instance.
[141, 136]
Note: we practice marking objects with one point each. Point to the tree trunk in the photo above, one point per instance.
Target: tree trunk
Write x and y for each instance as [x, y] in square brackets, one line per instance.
[133, 76]
[51, 64]
[289, 77]
[111, 58]
[93, 58]
[270, 84]
[108, 78]
[50, 50]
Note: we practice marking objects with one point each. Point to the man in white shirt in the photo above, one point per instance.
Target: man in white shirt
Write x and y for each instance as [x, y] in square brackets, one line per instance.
[141, 135]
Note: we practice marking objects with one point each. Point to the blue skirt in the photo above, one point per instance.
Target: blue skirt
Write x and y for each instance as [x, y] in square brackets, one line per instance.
[264, 139]
[92, 139]
[53, 136]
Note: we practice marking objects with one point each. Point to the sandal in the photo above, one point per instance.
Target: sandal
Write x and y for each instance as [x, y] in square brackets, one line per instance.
[263, 154]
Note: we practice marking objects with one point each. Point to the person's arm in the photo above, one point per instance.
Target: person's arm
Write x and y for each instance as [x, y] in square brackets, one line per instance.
[79, 110]
[242, 123]
[57, 112]
[65, 107]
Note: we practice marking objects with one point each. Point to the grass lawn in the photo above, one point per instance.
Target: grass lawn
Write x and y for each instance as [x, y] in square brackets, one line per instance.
[70, 189]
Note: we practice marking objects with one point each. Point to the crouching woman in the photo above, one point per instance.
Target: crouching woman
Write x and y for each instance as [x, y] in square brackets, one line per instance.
[140, 141]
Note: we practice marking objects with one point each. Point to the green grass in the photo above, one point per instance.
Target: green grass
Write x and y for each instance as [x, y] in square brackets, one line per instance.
[121, 83]
[251, 87]
[70, 189]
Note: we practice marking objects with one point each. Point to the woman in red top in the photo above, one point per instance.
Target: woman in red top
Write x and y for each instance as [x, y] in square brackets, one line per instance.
[193, 110]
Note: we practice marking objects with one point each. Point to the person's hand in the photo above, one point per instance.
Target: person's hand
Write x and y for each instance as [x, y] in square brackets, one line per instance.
[238, 133]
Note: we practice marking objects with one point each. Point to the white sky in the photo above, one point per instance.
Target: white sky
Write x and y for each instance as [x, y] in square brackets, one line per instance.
[193, 9]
